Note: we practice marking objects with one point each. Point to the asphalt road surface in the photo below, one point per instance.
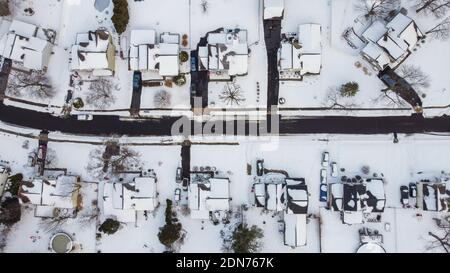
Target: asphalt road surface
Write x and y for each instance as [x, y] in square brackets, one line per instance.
[108, 125]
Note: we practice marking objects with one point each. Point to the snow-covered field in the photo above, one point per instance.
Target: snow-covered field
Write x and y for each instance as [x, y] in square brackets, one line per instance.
[298, 155]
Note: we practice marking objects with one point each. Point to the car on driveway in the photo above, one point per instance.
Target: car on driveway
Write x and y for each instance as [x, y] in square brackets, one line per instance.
[334, 169]
[260, 167]
[412, 190]
[177, 195]
[323, 176]
[325, 159]
[404, 195]
[179, 175]
[323, 193]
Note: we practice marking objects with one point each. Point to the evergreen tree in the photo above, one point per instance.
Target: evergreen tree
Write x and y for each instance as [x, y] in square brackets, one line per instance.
[171, 232]
[121, 16]
[349, 89]
[246, 240]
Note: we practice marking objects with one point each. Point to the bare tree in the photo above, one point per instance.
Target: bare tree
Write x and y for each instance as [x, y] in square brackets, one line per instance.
[390, 98]
[49, 225]
[376, 9]
[34, 83]
[232, 94]
[414, 76]
[334, 100]
[441, 239]
[204, 5]
[113, 160]
[441, 31]
[162, 99]
[50, 157]
[436, 7]
[100, 93]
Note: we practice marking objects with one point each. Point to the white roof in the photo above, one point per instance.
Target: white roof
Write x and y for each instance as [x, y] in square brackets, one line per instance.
[375, 31]
[90, 52]
[19, 43]
[57, 193]
[310, 37]
[307, 56]
[376, 53]
[295, 232]
[212, 195]
[142, 37]
[353, 217]
[124, 199]
[273, 8]
[227, 51]
[23, 29]
[274, 195]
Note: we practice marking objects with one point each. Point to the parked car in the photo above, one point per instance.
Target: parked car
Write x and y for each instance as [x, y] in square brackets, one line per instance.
[85, 117]
[185, 184]
[260, 167]
[177, 195]
[179, 175]
[334, 169]
[404, 195]
[323, 176]
[412, 190]
[323, 193]
[325, 159]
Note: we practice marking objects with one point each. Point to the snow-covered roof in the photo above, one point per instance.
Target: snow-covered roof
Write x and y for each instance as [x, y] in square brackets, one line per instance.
[227, 51]
[209, 196]
[20, 44]
[122, 200]
[433, 196]
[273, 9]
[375, 31]
[306, 56]
[93, 51]
[297, 196]
[145, 54]
[389, 44]
[275, 197]
[295, 232]
[61, 192]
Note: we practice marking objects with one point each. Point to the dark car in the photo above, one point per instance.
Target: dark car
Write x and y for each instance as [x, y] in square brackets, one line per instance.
[259, 167]
[404, 195]
[412, 190]
[137, 80]
[323, 193]
[185, 184]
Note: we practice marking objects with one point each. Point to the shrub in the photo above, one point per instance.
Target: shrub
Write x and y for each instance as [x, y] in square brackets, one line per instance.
[10, 212]
[171, 231]
[110, 226]
[246, 240]
[15, 181]
[349, 89]
[121, 16]
[78, 103]
[184, 56]
[179, 80]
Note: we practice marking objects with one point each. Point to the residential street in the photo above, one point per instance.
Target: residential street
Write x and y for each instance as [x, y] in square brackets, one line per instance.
[107, 125]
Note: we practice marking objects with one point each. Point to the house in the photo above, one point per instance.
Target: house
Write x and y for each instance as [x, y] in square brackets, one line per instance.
[53, 196]
[146, 55]
[94, 52]
[433, 196]
[22, 43]
[225, 54]
[209, 198]
[388, 45]
[125, 200]
[295, 232]
[273, 9]
[302, 52]
[354, 200]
